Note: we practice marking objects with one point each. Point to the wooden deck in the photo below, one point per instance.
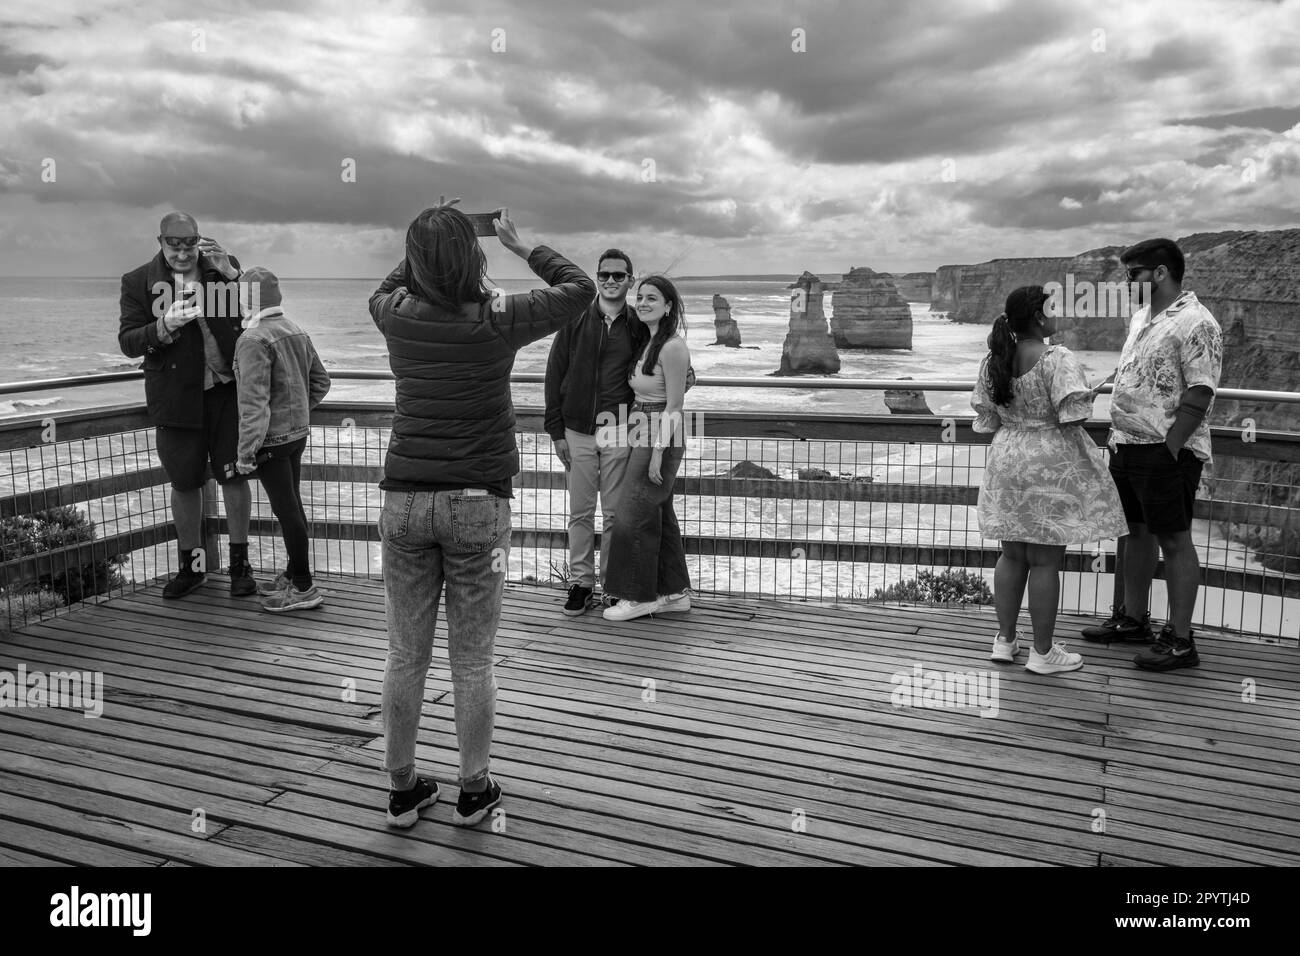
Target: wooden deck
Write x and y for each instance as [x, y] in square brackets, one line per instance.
[771, 739]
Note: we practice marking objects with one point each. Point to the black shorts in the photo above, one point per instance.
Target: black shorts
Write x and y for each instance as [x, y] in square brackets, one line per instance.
[186, 452]
[1154, 489]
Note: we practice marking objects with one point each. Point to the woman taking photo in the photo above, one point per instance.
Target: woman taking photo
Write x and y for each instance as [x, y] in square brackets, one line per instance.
[1044, 485]
[447, 481]
[647, 563]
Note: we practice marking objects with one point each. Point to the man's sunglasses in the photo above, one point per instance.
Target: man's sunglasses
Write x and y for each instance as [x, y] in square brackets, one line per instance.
[1136, 271]
[180, 242]
[606, 276]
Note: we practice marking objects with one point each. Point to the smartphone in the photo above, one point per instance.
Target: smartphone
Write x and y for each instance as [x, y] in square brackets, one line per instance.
[260, 459]
[483, 222]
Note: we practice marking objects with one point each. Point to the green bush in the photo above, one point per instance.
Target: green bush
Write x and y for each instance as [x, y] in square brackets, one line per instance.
[23, 535]
[954, 586]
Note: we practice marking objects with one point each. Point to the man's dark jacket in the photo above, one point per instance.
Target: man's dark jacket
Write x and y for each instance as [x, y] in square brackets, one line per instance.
[173, 374]
[573, 370]
[454, 422]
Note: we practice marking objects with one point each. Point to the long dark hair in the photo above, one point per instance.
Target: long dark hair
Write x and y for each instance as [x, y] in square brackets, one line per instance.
[445, 265]
[674, 317]
[1022, 306]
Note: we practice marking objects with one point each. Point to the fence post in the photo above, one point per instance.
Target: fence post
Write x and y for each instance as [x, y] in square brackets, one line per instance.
[211, 521]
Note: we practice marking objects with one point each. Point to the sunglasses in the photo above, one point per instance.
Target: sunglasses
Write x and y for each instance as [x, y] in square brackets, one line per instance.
[1136, 271]
[180, 242]
[616, 276]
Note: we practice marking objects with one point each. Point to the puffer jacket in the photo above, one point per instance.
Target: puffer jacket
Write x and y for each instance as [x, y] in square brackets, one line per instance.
[455, 422]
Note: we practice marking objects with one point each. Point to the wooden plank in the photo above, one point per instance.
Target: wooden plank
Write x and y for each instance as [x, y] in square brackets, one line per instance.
[62, 849]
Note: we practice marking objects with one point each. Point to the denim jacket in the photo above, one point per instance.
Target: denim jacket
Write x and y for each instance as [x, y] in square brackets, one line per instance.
[280, 379]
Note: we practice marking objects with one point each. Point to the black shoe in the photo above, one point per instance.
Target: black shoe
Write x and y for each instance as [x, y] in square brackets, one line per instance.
[404, 806]
[473, 807]
[579, 601]
[242, 583]
[1132, 631]
[1103, 633]
[184, 582]
[1169, 652]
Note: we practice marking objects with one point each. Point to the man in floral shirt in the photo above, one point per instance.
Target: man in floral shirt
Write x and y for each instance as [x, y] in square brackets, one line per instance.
[1164, 387]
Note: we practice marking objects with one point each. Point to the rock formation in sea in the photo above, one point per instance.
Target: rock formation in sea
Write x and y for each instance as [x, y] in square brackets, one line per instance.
[906, 401]
[913, 286]
[728, 333]
[868, 313]
[943, 291]
[808, 348]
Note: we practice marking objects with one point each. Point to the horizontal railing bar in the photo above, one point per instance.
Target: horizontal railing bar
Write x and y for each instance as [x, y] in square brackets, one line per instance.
[793, 549]
[19, 571]
[79, 492]
[708, 381]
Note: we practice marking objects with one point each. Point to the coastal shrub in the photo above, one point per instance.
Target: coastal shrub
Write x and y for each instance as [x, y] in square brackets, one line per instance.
[953, 586]
[23, 535]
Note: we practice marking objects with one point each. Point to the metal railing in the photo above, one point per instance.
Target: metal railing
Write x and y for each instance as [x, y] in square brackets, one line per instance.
[835, 507]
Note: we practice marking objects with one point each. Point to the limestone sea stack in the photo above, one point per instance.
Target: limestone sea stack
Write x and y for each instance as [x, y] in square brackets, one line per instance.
[808, 348]
[868, 313]
[906, 401]
[724, 326]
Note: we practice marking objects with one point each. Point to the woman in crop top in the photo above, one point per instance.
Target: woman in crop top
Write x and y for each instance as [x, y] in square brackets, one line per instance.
[647, 562]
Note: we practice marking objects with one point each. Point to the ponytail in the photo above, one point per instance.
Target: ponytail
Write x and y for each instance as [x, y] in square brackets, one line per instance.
[1002, 357]
[1023, 306]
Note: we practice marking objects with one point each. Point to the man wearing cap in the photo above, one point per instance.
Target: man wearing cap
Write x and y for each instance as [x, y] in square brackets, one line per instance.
[281, 379]
[180, 313]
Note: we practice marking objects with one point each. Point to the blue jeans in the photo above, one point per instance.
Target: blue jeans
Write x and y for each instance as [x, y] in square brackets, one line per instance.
[462, 540]
[646, 555]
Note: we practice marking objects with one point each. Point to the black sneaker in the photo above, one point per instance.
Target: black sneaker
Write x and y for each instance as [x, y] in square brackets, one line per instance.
[1169, 652]
[579, 601]
[1103, 632]
[1132, 631]
[404, 806]
[473, 807]
[242, 583]
[184, 582]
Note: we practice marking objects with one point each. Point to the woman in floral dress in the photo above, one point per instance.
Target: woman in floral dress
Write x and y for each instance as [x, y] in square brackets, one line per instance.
[1044, 483]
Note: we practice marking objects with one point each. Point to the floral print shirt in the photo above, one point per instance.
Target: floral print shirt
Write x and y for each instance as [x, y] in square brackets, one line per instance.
[1163, 357]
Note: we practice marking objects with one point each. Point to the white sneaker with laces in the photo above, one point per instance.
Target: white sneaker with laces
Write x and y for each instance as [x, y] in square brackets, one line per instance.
[1056, 661]
[1004, 652]
[626, 610]
[672, 603]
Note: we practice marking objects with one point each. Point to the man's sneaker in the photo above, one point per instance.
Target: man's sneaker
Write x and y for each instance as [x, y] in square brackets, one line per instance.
[1056, 661]
[404, 806]
[1132, 631]
[626, 610]
[291, 599]
[184, 582]
[473, 807]
[578, 602]
[1004, 652]
[242, 583]
[266, 589]
[1104, 632]
[674, 603]
[1169, 652]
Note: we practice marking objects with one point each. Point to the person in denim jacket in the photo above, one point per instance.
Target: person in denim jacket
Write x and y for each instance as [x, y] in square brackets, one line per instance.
[280, 379]
[447, 482]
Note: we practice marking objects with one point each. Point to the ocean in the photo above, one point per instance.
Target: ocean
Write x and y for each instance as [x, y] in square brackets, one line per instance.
[51, 328]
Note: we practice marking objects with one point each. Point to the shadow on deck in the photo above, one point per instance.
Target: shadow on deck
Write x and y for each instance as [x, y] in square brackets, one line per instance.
[228, 737]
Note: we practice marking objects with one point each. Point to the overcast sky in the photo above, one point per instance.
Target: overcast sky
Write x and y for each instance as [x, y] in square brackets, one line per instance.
[781, 135]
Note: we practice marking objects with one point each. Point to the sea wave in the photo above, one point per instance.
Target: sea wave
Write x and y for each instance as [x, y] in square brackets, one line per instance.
[20, 405]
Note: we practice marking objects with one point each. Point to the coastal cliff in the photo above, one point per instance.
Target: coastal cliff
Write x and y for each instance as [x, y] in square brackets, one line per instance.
[868, 313]
[912, 286]
[808, 348]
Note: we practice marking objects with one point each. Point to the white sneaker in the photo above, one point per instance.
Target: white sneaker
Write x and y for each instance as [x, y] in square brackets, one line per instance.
[671, 603]
[626, 610]
[1055, 661]
[1004, 652]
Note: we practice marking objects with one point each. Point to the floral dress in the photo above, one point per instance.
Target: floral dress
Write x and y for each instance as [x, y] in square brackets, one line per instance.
[1044, 483]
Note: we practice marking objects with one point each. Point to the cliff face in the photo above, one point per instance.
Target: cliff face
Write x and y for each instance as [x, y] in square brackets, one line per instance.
[868, 313]
[943, 292]
[912, 286]
[808, 348]
[728, 333]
